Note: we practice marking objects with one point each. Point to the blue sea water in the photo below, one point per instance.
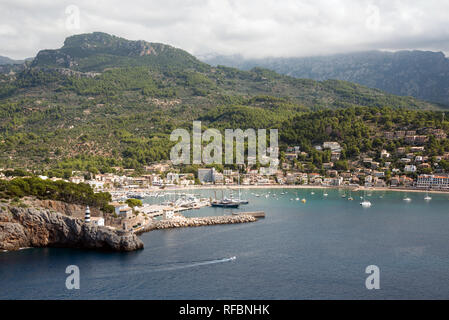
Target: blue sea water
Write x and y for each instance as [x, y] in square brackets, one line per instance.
[316, 250]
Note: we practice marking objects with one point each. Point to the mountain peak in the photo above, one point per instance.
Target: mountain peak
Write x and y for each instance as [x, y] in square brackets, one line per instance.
[98, 50]
[89, 38]
[103, 42]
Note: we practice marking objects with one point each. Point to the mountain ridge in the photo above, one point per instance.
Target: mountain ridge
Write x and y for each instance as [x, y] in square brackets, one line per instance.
[109, 51]
[421, 74]
[108, 103]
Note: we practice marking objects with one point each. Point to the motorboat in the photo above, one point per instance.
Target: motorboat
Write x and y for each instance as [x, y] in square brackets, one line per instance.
[365, 204]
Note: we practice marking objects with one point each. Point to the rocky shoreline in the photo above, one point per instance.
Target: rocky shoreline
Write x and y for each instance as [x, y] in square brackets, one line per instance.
[25, 227]
[182, 222]
[32, 227]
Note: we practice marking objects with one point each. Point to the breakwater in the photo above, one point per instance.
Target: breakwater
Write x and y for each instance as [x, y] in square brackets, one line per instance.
[182, 222]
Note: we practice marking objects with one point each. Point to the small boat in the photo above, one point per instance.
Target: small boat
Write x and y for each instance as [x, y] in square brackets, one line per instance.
[350, 198]
[312, 193]
[365, 204]
[303, 200]
[407, 199]
[225, 203]
[343, 196]
[427, 198]
[325, 194]
[297, 199]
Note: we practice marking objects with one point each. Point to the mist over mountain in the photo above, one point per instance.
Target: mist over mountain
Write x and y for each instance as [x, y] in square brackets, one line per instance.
[6, 60]
[420, 74]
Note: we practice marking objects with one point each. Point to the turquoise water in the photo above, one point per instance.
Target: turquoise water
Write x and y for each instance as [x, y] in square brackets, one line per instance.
[316, 250]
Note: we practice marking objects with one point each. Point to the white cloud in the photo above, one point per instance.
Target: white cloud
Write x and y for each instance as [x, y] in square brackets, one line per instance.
[253, 28]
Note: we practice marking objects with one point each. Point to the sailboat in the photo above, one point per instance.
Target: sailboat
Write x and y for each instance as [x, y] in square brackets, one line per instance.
[225, 202]
[241, 201]
[407, 199]
[365, 203]
[427, 197]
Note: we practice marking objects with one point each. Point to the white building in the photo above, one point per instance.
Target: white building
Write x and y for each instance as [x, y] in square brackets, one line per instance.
[267, 171]
[410, 168]
[96, 185]
[428, 181]
[384, 154]
[206, 175]
[168, 214]
[334, 146]
[99, 221]
[172, 177]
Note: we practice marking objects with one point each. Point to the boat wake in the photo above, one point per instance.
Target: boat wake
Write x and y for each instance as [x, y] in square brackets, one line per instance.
[141, 270]
[194, 264]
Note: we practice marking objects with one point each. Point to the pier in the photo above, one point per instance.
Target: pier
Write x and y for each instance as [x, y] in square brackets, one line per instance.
[255, 214]
[182, 222]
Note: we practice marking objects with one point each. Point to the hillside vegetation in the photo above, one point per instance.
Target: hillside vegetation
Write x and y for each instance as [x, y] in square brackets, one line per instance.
[102, 101]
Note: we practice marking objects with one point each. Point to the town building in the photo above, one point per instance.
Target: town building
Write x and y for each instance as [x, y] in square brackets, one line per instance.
[427, 181]
[206, 175]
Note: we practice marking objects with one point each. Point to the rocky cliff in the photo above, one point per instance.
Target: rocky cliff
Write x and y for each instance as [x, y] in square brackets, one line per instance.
[30, 227]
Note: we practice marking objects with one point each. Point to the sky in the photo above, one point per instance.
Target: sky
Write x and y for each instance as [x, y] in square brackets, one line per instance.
[251, 28]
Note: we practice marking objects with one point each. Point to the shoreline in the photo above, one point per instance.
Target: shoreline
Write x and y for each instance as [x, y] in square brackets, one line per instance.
[360, 188]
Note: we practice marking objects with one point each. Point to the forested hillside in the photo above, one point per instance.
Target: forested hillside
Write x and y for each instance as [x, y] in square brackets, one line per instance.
[102, 101]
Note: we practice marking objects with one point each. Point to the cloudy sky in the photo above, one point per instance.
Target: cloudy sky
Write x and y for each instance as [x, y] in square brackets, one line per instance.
[253, 28]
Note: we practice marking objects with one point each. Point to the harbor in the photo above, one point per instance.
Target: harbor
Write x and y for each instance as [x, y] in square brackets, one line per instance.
[156, 208]
[303, 241]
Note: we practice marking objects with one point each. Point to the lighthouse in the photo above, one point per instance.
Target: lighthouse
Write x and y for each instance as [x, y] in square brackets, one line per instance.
[87, 215]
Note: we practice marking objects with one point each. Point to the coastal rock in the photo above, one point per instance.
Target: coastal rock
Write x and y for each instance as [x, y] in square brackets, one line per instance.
[30, 227]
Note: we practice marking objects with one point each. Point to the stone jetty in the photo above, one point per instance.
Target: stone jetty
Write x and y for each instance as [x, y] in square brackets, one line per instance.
[182, 222]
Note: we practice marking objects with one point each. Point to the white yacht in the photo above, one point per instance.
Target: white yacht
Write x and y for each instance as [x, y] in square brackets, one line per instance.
[365, 204]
